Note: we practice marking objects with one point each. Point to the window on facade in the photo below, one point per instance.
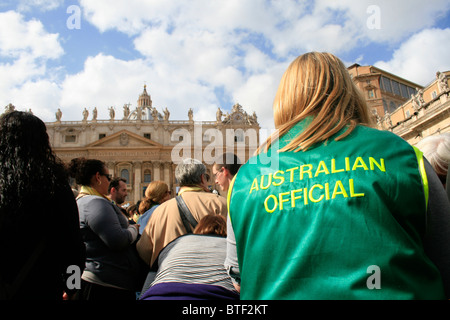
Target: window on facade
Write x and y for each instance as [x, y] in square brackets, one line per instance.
[147, 176]
[395, 87]
[125, 174]
[101, 136]
[370, 94]
[392, 107]
[434, 95]
[408, 113]
[385, 106]
[70, 138]
[147, 135]
[386, 84]
[239, 136]
[404, 91]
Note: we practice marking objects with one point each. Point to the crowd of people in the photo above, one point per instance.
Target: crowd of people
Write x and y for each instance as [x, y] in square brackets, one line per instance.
[343, 201]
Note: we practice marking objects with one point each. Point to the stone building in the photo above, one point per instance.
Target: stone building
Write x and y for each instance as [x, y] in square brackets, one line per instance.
[384, 92]
[403, 107]
[426, 113]
[143, 145]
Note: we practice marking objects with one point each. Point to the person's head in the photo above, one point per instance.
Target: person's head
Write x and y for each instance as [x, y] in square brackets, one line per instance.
[191, 172]
[318, 86]
[118, 190]
[436, 150]
[90, 172]
[131, 210]
[157, 192]
[212, 224]
[23, 135]
[224, 169]
[28, 165]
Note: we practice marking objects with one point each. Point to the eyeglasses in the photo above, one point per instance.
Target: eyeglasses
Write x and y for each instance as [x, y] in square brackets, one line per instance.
[206, 176]
[217, 173]
[108, 176]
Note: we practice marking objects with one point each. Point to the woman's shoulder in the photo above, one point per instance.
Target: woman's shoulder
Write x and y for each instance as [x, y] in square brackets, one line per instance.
[93, 201]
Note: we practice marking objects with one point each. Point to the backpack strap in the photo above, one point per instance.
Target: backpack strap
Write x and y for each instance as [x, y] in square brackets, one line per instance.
[186, 215]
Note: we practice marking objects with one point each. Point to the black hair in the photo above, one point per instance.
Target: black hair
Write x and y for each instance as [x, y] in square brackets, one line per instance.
[83, 169]
[30, 172]
[114, 183]
[229, 161]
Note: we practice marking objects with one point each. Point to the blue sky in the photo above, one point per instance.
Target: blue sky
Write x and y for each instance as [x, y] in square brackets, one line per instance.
[201, 54]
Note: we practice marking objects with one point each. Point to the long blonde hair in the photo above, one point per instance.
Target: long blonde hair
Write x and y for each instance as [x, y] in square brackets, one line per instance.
[316, 84]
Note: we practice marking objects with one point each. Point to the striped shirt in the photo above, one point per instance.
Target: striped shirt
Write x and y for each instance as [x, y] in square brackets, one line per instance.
[194, 259]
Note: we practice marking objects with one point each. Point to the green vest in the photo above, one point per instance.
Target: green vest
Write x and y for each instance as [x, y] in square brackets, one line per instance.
[343, 220]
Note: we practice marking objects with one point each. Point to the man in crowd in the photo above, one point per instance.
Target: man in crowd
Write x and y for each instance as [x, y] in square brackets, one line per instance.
[166, 223]
[118, 190]
[224, 169]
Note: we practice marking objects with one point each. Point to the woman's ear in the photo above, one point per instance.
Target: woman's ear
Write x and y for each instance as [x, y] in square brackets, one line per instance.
[204, 182]
[96, 179]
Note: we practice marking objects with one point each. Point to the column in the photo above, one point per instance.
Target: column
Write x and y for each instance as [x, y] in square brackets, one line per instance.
[137, 180]
[167, 175]
[111, 166]
[156, 170]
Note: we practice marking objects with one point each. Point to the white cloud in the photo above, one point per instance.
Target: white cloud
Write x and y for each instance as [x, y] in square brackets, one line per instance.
[106, 81]
[18, 36]
[40, 96]
[201, 46]
[418, 58]
[193, 49]
[256, 94]
[129, 16]
[43, 5]
[25, 48]
[19, 71]
[397, 19]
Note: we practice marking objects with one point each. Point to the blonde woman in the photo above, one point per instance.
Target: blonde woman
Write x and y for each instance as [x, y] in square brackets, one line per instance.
[331, 208]
[156, 193]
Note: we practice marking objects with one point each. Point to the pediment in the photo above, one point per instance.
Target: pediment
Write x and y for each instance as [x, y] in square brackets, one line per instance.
[124, 139]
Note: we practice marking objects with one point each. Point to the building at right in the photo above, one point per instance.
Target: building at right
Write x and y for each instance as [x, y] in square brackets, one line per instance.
[407, 109]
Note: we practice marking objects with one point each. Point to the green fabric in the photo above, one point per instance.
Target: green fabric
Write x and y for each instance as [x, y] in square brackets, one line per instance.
[311, 225]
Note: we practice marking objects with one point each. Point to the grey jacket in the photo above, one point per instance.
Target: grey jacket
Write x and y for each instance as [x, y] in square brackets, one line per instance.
[110, 251]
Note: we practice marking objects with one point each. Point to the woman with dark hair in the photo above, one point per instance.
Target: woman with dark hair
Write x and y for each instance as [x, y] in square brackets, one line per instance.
[112, 263]
[39, 225]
